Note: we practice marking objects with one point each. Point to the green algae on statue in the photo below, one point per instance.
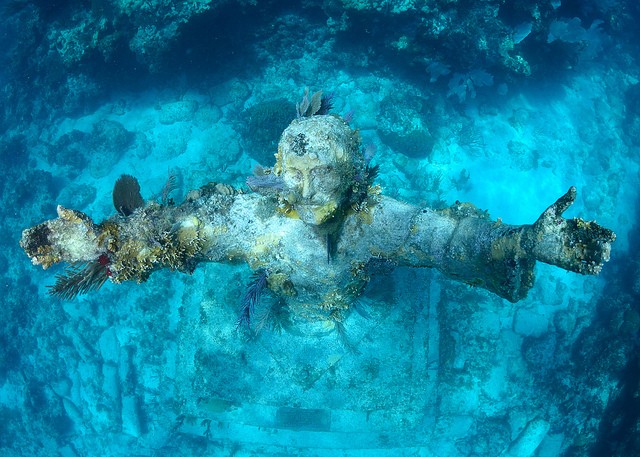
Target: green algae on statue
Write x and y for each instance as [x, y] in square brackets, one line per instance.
[312, 228]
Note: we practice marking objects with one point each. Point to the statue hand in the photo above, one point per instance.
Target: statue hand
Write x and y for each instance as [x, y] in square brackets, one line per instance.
[71, 238]
[573, 244]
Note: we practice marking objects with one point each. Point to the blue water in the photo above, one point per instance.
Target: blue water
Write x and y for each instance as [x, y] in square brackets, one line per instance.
[503, 104]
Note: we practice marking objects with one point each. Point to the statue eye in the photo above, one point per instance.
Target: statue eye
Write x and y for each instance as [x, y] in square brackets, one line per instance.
[329, 183]
[321, 172]
[294, 176]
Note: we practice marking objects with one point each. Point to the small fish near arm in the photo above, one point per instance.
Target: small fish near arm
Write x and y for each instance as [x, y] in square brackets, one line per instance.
[314, 224]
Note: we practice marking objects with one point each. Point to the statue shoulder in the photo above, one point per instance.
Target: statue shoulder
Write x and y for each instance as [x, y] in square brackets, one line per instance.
[388, 207]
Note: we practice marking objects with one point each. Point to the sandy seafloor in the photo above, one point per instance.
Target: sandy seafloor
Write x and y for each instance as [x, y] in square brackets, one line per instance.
[441, 369]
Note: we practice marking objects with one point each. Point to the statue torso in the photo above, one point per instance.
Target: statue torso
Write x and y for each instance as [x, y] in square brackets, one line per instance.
[316, 276]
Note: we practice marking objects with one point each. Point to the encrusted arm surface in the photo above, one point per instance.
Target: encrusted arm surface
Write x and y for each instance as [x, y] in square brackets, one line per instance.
[573, 244]
[131, 247]
[463, 243]
[72, 237]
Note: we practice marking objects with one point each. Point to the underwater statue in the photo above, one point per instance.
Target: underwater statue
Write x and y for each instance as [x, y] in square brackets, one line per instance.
[312, 228]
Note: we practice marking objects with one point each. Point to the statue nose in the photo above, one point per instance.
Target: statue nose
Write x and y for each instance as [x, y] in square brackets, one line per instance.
[306, 189]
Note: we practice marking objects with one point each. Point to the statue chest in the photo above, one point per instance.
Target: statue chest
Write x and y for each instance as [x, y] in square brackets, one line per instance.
[311, 276]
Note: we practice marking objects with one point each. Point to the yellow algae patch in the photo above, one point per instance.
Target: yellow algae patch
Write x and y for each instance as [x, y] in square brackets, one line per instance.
[210, 233]
[217, 229]
[263, 247]
[324, 212]
[281, 284]
[507, 247]
[266, 241]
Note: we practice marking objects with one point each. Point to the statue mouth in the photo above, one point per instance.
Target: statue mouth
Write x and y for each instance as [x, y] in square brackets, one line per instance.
[316, 213]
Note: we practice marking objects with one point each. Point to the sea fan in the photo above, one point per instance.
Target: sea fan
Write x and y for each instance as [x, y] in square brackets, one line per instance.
[276, 318]
[252, 297]
[126, 195]
[266, 184]
[344, 338]
[316, 105]
[372, 173]
[326, 104]
[81, 279]
[169, 186]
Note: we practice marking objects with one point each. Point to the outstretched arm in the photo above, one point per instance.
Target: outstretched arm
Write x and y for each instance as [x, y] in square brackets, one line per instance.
[120, 248]
[463, 243]
[132, 247]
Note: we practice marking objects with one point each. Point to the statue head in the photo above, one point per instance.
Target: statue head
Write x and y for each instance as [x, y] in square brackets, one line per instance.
[318, 160]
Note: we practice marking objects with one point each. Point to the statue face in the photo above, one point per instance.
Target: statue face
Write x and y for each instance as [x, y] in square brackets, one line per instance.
[315, 188]
[316, 162]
